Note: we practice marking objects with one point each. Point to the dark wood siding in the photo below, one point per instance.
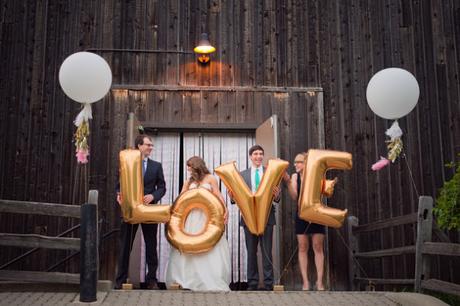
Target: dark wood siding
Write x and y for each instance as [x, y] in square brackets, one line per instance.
[335, 45]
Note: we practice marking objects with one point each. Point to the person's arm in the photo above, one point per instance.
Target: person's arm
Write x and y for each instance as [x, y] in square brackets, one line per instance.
[117, 188]
[216, 191]
[185, 187]
[292, 187]
[215, 188]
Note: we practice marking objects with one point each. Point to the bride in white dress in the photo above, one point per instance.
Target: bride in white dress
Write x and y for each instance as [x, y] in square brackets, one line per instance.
[208, 271]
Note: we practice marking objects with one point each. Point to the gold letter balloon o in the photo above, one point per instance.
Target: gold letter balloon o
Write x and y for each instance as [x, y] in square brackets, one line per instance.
[213, 229]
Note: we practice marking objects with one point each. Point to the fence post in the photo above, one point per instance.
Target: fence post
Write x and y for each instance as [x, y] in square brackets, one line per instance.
[89, 254]
[424, 233]
[352, 249]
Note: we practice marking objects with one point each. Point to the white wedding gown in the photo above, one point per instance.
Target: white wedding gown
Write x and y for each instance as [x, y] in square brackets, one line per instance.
[208, 271]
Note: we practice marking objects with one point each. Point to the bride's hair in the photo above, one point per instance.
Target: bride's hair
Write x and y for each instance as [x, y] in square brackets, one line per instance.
[199, 169]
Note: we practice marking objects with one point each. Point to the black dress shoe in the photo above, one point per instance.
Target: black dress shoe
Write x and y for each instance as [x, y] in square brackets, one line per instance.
[252, 288]
[153, 286]
[117, 287]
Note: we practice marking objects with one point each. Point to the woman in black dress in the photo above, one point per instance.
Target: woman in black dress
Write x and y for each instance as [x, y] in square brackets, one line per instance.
[304, 228]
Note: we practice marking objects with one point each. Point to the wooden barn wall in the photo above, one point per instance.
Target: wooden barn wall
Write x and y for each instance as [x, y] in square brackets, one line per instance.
[335, 45]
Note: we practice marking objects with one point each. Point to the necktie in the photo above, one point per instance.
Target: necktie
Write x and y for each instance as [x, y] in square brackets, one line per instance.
[257, 179]
[144, 167]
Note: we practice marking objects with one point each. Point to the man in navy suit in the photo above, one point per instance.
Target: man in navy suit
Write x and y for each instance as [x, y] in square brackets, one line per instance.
[154, 190]
[252, 177]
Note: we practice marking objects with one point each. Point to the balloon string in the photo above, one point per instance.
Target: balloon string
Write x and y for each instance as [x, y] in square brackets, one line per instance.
[354, 258]
[410, 174]
[285, 269]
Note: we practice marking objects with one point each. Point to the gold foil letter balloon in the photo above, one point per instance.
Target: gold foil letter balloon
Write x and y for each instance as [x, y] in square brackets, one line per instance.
[255, 208]
[133, 208]
[203, 241]
[311, 207]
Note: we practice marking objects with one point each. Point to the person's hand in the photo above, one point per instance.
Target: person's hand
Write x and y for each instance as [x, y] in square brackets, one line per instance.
[286, 177]
[276, 192]
[226, 217]
[230, 194]
[119, 199]
[148, 198]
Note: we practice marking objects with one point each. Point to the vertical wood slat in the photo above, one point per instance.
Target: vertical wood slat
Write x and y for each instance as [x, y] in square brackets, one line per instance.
[424, 232]
[353, 248]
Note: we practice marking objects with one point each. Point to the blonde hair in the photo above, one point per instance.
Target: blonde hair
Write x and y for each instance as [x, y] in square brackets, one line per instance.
[301, 157]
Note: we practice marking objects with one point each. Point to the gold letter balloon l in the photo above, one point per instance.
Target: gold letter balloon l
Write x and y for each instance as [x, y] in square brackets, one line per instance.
[311, 207]
[132, 192]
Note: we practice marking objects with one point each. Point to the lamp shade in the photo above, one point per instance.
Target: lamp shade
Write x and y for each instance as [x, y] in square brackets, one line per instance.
[204, 47]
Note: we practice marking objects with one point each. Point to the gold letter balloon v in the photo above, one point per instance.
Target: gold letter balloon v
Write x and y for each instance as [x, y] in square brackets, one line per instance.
[254, 207]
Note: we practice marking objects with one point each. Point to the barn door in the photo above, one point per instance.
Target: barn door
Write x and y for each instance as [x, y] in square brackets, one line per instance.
[267, 136]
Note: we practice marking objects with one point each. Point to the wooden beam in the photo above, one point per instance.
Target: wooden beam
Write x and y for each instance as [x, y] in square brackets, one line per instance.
[153, 127]
[387, 281]
[41, 277]
[93, 195]
[353, 271]
[387, 252]
[309, 90]
[442, 286]
[424, 234]
[406, 219]
[441, 248]
[39, 208]
[131, 130]
[39, 241]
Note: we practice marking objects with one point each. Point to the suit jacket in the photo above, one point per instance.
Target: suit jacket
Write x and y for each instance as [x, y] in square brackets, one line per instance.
[154, 181]
[246, 174]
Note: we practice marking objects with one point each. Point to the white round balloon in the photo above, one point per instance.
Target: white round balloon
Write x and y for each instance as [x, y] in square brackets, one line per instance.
[392, 93]
[85, 77]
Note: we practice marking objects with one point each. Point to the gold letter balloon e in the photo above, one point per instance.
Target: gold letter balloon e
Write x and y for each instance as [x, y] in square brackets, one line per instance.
[313, 185]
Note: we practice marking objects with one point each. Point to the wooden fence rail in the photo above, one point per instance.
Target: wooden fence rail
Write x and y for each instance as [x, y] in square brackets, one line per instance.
[422, 250]
[87, 244]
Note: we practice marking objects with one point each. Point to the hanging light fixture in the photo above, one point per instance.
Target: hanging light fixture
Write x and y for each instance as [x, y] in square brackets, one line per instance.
[204, 48]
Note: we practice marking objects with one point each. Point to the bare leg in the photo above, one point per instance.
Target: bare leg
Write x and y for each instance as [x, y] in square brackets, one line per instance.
[303, 260]
[318, 245]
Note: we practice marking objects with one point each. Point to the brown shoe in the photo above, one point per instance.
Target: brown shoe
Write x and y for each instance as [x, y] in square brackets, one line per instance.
[153, 286]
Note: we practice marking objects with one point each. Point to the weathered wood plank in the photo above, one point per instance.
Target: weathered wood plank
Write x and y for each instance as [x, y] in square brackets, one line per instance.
[386, 281]
[215, 88]
[44, 277]
[39, 208]
[387, 252]
[353, 248]
[39, 241]
[411, 218]
[441, 248]
[442, 286]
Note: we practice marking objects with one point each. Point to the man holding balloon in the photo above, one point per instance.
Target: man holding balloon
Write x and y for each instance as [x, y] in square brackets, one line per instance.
[154, 189]
[253, 177]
